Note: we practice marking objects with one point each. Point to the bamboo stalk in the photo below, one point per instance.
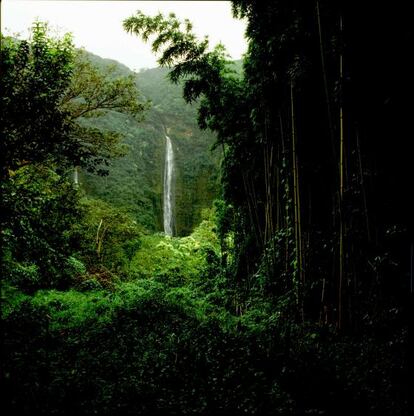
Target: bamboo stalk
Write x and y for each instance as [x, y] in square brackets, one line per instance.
[268, 164]
[255, 208]
[299, 222]
[278, 204]
[411, 267]
[269, 190]
[296, 205]
[325, 80]
[286, 221]
[341, 127]
[294, 164]
[246, 190]
[266, 180]
[361, 182]
[322, 300]
[341, 190]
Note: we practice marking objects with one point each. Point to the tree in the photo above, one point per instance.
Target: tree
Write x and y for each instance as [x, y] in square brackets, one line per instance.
[92, 93]
[48, 89]
[40, 209]
[293, 150]
[35, 75]
[228, 106]
[108, 237]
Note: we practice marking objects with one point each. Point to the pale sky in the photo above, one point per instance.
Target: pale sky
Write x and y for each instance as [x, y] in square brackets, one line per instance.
[97, 25]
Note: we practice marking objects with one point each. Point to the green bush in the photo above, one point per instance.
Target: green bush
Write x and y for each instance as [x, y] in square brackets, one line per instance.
[75, 267]
[108, 237]
[146, 348]
[179, 260]
[42, 208]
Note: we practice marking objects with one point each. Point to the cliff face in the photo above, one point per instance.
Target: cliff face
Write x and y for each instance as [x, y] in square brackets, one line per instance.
[135, 181]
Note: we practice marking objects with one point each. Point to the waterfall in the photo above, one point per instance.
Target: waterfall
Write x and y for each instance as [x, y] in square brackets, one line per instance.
[168, 191]
[76, 177]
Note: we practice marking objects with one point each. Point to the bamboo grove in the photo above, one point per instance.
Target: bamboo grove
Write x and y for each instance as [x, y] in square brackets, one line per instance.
[315, 154]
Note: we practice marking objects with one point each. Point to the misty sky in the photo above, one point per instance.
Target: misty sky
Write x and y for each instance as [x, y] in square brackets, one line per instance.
[97, 25]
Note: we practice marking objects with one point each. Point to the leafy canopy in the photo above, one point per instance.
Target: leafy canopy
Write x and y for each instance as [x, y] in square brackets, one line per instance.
[35, 75]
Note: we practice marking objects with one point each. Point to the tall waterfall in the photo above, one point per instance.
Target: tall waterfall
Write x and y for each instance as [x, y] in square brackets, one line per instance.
[168, 191]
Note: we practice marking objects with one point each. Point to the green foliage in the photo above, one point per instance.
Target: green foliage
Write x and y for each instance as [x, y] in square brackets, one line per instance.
[35, 74]
[22, 275]
[107, 236]
[176, 261]
[151, 349]
[207, 74]
[41, 209]
[47, 91]
[94, 91]
[222, 321]
[223, 107]
[134, 182]
[75, 267]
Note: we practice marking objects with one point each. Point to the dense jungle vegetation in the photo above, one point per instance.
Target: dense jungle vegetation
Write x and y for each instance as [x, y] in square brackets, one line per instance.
[287, 295]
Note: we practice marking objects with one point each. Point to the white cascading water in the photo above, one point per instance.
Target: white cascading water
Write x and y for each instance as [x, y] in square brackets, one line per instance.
[168, 192]
[76, 177]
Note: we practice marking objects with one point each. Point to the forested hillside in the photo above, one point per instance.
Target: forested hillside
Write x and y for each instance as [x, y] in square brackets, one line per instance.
[135, 181]
[289, 294]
